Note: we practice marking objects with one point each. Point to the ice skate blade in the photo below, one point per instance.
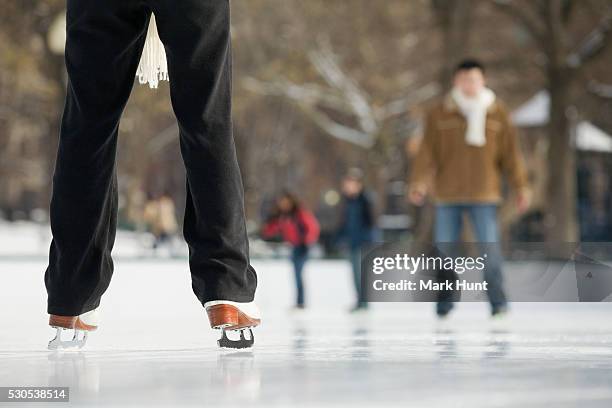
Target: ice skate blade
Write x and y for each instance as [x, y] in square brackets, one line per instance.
[76, 342]
[242, 343]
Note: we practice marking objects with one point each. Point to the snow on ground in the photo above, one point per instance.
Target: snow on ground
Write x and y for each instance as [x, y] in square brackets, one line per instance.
[27, 239]
[154, 346]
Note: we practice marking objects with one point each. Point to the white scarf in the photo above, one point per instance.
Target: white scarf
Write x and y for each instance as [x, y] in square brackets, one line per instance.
[153, 66]
[475, 112]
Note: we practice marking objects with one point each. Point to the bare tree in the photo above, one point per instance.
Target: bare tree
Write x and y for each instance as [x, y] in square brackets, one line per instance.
[341, 95]
[30, 91]
[549, 24]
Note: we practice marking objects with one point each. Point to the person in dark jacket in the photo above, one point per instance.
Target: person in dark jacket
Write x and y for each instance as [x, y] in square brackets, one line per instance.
[356, 226]
[298, 227]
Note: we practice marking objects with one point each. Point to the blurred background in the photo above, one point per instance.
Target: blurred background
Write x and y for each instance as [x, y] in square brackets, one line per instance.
[323, 86]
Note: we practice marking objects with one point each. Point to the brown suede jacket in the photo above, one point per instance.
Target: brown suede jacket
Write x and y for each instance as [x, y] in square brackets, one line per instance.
[461, 173]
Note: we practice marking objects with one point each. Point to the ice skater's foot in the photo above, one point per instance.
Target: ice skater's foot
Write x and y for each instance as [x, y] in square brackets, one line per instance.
[80, 326]
[359, 308]
[234, 317]
[499, 312]
[443, 310]
[442, 316]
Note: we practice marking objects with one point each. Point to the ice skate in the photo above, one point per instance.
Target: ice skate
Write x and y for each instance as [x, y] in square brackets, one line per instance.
[233, 317]
[80, 325]
[499, 313]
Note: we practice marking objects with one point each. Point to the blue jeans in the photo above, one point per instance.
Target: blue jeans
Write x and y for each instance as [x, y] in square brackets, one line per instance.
[299, 256]
[447, 229]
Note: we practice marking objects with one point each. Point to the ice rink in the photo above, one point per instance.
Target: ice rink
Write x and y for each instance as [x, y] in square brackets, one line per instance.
[154, 347]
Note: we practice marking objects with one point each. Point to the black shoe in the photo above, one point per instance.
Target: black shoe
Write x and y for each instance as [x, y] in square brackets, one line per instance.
[444, 309]
[499, 312]
[361, 307]
[442, 315]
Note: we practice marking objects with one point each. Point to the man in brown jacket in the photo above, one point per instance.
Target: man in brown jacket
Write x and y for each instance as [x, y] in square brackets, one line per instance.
[468, 147]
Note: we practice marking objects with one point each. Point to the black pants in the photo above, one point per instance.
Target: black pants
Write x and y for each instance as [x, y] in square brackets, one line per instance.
[103, 48]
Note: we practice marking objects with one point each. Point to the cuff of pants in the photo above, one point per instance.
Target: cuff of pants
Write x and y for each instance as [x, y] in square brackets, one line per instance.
[69, 310]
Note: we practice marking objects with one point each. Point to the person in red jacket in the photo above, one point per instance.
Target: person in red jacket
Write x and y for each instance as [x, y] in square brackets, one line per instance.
[297, 226]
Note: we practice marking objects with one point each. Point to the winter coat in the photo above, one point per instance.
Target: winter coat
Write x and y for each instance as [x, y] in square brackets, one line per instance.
[461, 173]
[299, 228]
[356, 221]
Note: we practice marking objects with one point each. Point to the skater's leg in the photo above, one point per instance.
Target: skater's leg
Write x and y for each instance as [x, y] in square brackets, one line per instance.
[447, 229]
[103, 45]
[355, 258]
[448, 223]
[299, 256]
[196, 34]
[484, 220]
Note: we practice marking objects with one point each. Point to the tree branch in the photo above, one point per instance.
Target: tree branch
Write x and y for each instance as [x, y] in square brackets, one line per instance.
[594, 43]
[600, 89]
[326, 63]
[402, 105]
[338, 130]
[521, 16]
[308, 94]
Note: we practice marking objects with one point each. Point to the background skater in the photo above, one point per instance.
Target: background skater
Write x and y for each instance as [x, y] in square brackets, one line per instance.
[297, 226]
[159, 214]
[356, 227]
[468, 147]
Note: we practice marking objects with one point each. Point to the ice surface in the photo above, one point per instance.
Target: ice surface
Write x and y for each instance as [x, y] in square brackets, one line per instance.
[154, 347]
